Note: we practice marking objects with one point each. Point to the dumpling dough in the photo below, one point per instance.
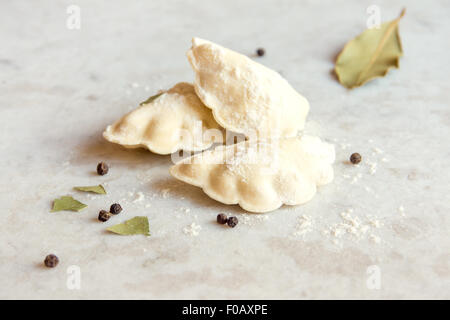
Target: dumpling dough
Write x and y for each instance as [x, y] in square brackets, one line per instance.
[168, 122]
[261, 176]
[245, 96]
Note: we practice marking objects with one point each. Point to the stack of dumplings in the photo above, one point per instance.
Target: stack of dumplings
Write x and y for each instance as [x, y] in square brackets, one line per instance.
[274, 165]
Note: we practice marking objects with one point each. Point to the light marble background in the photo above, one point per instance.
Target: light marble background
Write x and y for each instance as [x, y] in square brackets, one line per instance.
[59, 88]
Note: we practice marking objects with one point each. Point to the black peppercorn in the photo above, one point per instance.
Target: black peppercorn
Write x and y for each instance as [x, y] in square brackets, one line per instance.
[115, 208]
[51, 261]
[222, 218]
[232, 222]
[260, 52]
[102, 168]
[104, 216]
[355, 158]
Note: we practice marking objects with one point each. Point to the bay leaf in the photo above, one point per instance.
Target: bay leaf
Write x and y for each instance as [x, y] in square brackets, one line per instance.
[67, 203]
[136, 225]
[95, 189]
[370, 55]
[151, 99]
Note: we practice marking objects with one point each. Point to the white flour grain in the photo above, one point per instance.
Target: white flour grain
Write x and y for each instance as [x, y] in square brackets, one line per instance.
[374, 238]
[165, 193]
[139, 197]
[192, 230]
[401, 210]
[304, 225]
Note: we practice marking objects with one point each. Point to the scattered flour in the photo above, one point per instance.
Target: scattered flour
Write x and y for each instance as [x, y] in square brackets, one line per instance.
[184, 210]
[344, 146]
[193, 229]
[165, 193]
[372, 167]
[304, 225]
[351, 226]
[375, 222]
[378, 150]
[139, 197]
[356, 178]
[91, 197]
[374, 238]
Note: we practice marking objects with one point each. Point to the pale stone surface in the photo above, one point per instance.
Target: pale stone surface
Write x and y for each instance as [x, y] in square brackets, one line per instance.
[59, 89]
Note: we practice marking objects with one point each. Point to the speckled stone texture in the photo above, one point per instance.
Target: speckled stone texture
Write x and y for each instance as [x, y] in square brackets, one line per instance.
[60, 88]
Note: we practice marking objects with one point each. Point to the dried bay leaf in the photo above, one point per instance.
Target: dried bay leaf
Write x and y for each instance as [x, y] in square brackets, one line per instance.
[136, 225]
[152, 98]
[370, 55]
[95, 189]
[67, 203]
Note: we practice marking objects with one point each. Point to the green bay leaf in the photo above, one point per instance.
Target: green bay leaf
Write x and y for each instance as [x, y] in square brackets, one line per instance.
[151, 99]
[370, 55]
[96, 189]
[136, 225]
[67, 203]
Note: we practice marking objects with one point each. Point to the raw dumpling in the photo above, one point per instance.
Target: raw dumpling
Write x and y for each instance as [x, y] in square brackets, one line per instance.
[167, 122]
[261, 176]
[245, 96]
